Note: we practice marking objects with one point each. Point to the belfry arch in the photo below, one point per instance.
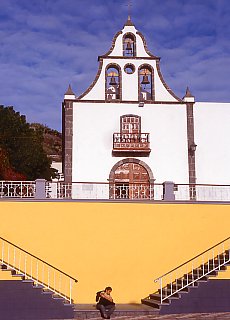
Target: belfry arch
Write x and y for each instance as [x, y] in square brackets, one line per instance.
[131, 179]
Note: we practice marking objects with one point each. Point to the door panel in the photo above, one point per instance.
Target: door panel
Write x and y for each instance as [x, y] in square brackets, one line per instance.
[131, 181]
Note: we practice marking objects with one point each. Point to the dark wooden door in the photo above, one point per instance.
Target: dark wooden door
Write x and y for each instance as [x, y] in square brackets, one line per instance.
[131, 182]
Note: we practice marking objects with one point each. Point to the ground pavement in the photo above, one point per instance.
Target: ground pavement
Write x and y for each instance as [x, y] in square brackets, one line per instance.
[191, 316]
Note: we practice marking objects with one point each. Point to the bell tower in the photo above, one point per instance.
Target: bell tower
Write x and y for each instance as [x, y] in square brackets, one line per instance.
[129, 72]
[123, 120]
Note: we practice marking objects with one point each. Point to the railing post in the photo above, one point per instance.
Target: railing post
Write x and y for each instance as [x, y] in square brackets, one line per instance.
[168, 191]
[161, 290]
[70, 293]
[2, 251]
[40, 189]
[37, 273]
[14, 257]
[218, 259]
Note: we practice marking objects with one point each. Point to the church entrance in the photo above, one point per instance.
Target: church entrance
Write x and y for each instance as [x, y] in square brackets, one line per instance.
[130, 180]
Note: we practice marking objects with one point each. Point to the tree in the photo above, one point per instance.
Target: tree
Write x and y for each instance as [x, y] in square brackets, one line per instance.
[22, 146]
[6, 172]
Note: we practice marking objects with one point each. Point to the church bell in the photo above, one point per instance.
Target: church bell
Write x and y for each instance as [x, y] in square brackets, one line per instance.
[129, 47]
[145, 79]
[112, 81]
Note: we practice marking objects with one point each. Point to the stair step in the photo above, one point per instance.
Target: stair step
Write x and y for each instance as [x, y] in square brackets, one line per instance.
[177, 286]
[185, 283]
[56, 297]
[45, 291]
[28, 280]
[212, 265]
[39, 286]
[217, 261]
[223, 257]
[195, 278]
[203, 279]
[18, 275]
[213, 273]
[168, 292]
[157, 297]
[196, 272]
[7, 269]
[194, 275]
[153, 303]
[221, 268]
[69, 304]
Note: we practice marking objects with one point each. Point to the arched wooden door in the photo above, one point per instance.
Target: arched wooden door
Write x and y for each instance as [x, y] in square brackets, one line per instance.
[130, 181]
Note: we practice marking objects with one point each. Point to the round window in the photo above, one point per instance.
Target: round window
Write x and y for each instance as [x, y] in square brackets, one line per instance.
[129, 68]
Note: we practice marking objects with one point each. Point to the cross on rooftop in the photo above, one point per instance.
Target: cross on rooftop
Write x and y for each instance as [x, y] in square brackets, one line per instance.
[129, 5]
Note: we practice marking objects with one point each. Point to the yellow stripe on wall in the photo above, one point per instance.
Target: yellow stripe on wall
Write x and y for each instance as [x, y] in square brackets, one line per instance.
[123, 245]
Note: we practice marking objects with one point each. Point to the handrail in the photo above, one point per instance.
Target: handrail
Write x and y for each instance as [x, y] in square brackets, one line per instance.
[99, 190]
[95, 182]
[191, 259]
[107, 183]
[30, 254]
[202, 184]
[131, 133]
[17, 181]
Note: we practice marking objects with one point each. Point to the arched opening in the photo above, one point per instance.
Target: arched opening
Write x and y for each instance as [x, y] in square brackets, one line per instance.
[129, 45]
[113, 83]
[131, 179]
[145, 83]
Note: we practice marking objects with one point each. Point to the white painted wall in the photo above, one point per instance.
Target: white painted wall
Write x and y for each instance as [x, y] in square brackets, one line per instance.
[161, 93]
[93, 128]
[212, 136]
[95, 123]
[57, 166]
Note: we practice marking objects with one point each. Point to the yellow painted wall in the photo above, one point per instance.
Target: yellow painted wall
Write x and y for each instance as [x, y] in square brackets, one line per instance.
[123, 245]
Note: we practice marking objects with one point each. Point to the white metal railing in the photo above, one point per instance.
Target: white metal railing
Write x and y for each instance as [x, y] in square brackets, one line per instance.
[103, 191]
[17, 189]
[32, 268]
[113, 191]
[199, 267]
[202, 192]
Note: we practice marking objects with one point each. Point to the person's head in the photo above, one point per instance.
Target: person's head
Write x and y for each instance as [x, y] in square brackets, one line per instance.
[108, 290]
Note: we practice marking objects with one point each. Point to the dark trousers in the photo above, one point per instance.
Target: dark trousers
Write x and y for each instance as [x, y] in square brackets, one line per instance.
[106, 311]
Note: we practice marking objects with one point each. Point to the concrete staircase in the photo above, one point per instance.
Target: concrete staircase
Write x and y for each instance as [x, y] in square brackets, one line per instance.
[182, 285]
[40, 291]
[22, 300]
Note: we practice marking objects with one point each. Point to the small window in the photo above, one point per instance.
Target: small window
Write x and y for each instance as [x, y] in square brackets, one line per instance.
[129, 68]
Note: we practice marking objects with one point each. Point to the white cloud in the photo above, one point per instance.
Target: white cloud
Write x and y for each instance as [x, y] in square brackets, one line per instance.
[44, 47]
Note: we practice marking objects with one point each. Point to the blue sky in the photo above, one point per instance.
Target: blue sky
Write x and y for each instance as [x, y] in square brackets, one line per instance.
[47, 44]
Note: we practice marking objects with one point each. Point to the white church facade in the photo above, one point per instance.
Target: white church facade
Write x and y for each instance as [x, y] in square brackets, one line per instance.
[129, 128]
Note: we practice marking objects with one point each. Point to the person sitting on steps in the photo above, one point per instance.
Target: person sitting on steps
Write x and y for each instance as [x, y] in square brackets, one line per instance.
[105, 305]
